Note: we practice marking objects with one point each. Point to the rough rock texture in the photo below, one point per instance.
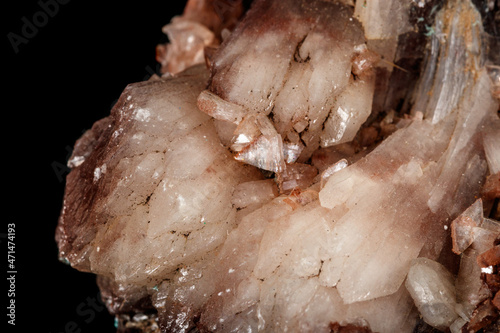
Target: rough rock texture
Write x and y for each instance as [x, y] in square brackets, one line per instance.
[372, 208]
[153, 170]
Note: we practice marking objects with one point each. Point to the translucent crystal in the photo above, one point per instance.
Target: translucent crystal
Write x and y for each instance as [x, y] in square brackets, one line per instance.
[297, 176]
[266, 152]
[332, 169]
[457, 42]
[470, 288]
[220, 109]
[198, 29]
[383, 19]
[291, 151]
[254, 193]
[463, 227]
[295, 71]
[491, 140]
[432, 288]
[187, 42]
[351, 109]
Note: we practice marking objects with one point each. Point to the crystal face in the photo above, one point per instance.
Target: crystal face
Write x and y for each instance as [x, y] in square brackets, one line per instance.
[304, 166]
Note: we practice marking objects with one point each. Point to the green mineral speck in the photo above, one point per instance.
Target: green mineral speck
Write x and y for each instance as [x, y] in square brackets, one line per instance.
[116, 322]
[64, 260]
[430, 31]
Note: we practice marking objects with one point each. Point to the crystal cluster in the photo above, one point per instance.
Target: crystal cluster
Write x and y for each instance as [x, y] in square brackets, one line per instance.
[279, 177]
[299, 56]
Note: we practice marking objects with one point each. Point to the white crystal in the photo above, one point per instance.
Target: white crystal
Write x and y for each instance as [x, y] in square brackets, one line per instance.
[432, 288]
[350, 111]
[487, 270]
[491, 140]
[448, 78]
[163, 184]
[383, 19]
[457, 325]
[297, 79]
[266, 152]
[220, 109]
[187, 41]
[254, 193]
[332, 169]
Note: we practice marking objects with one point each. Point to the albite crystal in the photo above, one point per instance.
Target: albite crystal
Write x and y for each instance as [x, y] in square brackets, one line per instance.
[153, 170]
[272, 189]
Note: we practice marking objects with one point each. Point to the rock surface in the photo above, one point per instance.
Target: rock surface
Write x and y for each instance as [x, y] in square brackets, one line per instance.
[153, 170]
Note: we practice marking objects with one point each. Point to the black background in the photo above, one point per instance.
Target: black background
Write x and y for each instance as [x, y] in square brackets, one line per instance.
[64, 78]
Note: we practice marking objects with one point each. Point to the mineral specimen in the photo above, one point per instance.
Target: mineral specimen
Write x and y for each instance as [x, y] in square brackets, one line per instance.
[299, 55]
[279, 177]
[433, 289]
[202, 25]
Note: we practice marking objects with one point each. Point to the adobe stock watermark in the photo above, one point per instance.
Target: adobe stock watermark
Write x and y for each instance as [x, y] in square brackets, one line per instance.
[88, 311]
[61, 168]
[31, 25]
